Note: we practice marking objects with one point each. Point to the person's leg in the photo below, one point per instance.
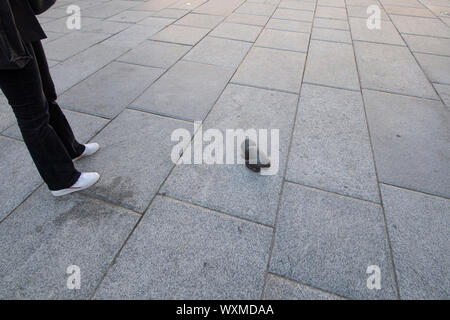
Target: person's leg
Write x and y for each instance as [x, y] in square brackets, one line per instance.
[23, 89]
[57, 119]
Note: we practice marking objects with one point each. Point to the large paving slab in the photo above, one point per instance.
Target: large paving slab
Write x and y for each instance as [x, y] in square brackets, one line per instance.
[200, 20]
[135, 158]
[247, 19]
[386, 34]
[73, 70]
[219, 52]
[392, 69]
[71, 44]
[188, 90]
[331, 148]
[331, 12]
[421, 26]
[437, 68]
[156, 54]
[278, 288]
[237, 31]
[259, 9]
[133, 36]
[329, 241]
[331, 64]
[418, 226]
[289, 25]
[272, 69]
[411, 140]
[219, 7]
[179, 251]
[296, 15]
[181, 34]
[45, 235]
[108, 9]
[233, 188]
[286, 40]
[19, 175]
[423, 44]
[331, 35]
[83, 125]
[110, 90]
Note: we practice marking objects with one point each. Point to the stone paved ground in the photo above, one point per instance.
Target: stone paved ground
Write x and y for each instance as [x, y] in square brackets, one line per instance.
[364, 173]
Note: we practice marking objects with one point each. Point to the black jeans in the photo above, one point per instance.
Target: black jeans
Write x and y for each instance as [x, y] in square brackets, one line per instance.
[47, 134]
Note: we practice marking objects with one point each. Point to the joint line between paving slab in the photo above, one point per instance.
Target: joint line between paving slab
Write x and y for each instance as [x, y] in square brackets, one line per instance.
[386, 229]
[332, 192]
[416, 191]
[280, 196]
[307, 286]
[216, 211]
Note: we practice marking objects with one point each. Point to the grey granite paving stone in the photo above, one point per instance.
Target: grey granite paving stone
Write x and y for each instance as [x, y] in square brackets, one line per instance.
[278, 288]
[160, 22]
[7, 117]
[156, 54]
[134, 159]
[391, 68]
[129, 16]
[421, 26]
[331, 35]
[331, 23]
[108, 9]
[60, 25]
[410, 137]
[361, 3]
[428, 44]
[289, 25]
[83, 125]
[286, 40]
[232, 188]
[130, 38]
[403, 3]
[331, 64]
[247, 19]
[73, 70]
[331, 3]
[290, 14]
[188, 5]
[418, 226]
[409, 11]
[19, 175]
[219, 52]
[71, 44]
[330, 147]
[328, 241]
[154, 5]
[110, 90]
[331, 12]
[58, 233]
[171, 13]
[181, 34]
[386, 34]
[299, 5]
[260, 9]
[107, 27]
[180, 251]
[219, 7]
[437, 68]
[361, 12]
[200, 20]
[237, 31]
[271, 68]
[444, 92]
[187, 91]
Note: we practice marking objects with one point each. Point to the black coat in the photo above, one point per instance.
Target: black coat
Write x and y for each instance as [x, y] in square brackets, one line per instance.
[26, 22]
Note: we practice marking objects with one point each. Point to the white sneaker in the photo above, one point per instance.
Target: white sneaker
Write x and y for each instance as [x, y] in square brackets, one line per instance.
[90, 149]
[86, 180]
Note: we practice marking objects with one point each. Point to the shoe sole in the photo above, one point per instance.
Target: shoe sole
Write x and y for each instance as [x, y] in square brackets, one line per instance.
[64, 192]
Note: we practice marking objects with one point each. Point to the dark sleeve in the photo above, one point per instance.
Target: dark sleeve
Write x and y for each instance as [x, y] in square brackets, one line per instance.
[26, 22]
